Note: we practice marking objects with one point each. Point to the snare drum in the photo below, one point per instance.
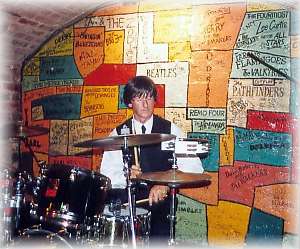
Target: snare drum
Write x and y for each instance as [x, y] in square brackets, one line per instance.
[70, 194]
[110, 229]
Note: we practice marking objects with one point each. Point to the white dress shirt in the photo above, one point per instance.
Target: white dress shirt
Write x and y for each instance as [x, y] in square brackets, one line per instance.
[112, 161]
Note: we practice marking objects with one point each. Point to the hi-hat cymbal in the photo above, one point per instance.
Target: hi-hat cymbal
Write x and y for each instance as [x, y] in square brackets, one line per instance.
[117, 142]
[175, 178]
[21, 131]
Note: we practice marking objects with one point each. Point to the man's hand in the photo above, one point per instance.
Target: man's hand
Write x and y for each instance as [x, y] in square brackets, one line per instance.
[135, 171]
[158, 193]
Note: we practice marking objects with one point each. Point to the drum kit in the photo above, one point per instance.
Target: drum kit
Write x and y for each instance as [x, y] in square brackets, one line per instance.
[66, 205]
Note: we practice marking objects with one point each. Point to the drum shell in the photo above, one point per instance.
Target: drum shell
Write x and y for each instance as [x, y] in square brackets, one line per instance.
[115, 230]
[72, 193]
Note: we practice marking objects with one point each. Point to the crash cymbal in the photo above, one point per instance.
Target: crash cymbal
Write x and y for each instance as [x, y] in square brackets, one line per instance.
[175, 178]
[20, 131]
[117, 142]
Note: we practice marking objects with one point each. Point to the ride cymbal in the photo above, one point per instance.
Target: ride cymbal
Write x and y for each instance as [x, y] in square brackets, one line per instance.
[175, 178]
[117, 142]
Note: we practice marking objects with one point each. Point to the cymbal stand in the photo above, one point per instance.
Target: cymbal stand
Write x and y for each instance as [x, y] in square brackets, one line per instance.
[126, 159]
[172, 216]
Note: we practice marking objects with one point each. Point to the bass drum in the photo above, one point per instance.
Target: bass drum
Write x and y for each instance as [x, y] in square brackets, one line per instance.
[37, 238]
[69, 195]
[110, 229]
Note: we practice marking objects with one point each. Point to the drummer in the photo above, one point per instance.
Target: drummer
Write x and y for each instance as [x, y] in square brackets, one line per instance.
[140, 95]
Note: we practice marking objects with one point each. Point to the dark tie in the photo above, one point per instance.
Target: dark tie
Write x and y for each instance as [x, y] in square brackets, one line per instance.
[143, 129]
[142, 150]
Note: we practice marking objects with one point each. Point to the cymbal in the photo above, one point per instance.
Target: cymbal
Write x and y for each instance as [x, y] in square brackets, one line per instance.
[175, 178]
[117, 142]
[21, 131]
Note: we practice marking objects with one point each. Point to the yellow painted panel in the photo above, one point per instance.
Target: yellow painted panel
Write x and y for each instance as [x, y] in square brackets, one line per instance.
[155, 5]
[114, 47]
[32, 67]
[227, 147]
[160, 112]
[180, 51]
[260, 6]
[227, 224]
[171, 26]
[99, 99]
[59, 45]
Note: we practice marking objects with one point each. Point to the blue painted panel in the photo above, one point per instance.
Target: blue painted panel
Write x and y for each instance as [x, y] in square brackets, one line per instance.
[266, 32]
[58, 67]
[211, 162]
[121, 102]
[264, 229]
[262, 147]
[64, 106]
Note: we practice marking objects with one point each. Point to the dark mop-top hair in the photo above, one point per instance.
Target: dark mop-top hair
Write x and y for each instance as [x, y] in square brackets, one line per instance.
[139, 86]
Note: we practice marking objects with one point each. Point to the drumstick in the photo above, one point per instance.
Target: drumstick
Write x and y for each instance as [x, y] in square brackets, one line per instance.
[135, 148]
[136, 156]
[137, 202]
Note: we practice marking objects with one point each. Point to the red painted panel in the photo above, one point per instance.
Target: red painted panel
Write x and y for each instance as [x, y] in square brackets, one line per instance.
[237, 183]
[76, 161]
[160, 101]
[110, 75]
[269, 121]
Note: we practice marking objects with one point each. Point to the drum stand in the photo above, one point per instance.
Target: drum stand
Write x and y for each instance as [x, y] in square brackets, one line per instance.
[172, 216]
[126, 159]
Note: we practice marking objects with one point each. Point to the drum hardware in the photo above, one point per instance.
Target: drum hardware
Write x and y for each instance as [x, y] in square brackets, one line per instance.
[38, 234]
[19, 130]
[186, 147]
[6, 207]
[126, 170]
[19, 197]
[175, 179]
[109, 229]
[137, 202]
[68, 196]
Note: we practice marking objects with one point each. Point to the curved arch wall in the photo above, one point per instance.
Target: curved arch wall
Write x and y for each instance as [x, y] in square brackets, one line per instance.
[208, 84]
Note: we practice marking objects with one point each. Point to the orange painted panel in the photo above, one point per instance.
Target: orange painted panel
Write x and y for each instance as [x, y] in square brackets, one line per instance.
[35, 166]
[105, 123]
[209, 74]
[88, 49]
[28, 97]
[208, 195]
[69, 89]
[216, 26]
[280, 200]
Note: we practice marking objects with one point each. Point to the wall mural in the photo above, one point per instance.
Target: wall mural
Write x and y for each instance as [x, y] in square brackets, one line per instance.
[207, 84]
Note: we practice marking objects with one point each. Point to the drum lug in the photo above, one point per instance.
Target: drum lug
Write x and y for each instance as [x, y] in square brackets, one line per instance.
[64, 208]
[73, 175]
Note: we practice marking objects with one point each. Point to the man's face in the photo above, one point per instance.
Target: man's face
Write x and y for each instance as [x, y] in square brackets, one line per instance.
[142, 107]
